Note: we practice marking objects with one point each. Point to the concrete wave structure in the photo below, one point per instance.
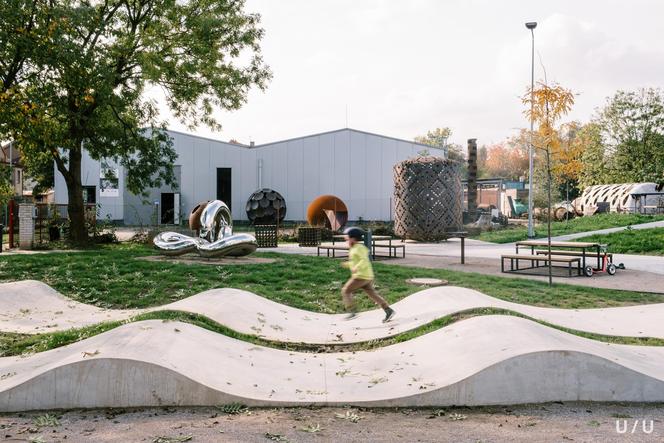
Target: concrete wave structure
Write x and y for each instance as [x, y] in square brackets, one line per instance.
[31, 307]
[480, 361]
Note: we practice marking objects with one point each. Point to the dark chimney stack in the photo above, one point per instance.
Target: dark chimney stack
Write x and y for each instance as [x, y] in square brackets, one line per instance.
[472, 179]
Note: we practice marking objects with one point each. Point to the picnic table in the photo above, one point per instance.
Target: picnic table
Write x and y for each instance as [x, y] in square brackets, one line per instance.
[584, 246]
[374, 237]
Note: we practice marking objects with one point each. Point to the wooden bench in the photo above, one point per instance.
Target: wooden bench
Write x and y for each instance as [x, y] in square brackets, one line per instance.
[573, 254]
[332, 248]
[535, 259]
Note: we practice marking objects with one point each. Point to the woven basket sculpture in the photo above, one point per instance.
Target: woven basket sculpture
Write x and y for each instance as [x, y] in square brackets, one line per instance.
[264, 206]
[427, 198]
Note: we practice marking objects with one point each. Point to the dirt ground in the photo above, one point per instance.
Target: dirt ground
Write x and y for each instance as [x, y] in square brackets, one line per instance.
[557, 422]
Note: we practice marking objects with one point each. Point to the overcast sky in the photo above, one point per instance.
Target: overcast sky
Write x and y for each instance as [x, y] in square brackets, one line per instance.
[404, 67]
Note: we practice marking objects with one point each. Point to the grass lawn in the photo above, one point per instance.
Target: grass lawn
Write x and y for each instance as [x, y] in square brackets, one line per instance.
[632, 241]
[579, 224]
[112, 277]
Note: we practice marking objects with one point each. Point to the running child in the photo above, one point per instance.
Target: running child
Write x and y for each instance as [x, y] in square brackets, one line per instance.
[362, 275]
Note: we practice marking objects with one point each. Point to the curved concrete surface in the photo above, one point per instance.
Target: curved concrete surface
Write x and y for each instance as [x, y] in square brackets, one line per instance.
[32, 306]
[483, 360]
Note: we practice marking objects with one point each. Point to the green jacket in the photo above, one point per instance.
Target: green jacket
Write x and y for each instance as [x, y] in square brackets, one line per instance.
[360, 265]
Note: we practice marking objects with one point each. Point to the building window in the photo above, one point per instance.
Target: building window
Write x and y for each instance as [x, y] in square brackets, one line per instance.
[90, 195]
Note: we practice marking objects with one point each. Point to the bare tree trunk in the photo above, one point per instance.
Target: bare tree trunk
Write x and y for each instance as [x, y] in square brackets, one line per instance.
[78, 233]
[567, 200]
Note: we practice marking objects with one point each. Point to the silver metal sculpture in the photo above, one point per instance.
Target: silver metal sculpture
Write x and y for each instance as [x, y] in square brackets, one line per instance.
[215, 238]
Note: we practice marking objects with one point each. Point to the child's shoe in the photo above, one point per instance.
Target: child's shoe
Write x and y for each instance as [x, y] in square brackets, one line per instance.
[389, 313]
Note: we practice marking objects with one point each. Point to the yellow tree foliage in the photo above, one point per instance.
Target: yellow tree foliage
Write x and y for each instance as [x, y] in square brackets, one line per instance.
[567, 159]
[546, 105]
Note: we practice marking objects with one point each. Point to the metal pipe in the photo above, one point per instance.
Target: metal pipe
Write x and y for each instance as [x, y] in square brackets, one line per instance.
[11, 164]
[11, 223]
[260, 173]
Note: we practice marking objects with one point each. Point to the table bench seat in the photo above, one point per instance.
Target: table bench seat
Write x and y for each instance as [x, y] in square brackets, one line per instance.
[332, 248]
[535, 259]
[391, 247]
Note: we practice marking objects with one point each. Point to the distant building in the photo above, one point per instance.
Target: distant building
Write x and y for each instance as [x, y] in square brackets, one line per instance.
[356, 166]
[10, 156]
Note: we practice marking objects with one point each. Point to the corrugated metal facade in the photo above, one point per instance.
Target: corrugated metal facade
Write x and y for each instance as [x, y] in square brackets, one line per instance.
[355, 166]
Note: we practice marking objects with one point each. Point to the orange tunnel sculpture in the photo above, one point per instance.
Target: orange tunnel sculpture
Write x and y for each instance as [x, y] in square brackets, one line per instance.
[329, 211]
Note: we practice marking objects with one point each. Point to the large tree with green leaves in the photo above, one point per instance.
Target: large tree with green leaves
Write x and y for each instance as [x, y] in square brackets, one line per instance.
[6, 189]
[439, 138]
[74, 75]
[631, 127]
[595, 166]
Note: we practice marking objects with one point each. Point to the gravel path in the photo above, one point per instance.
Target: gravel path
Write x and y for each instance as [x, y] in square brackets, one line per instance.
[579, 422]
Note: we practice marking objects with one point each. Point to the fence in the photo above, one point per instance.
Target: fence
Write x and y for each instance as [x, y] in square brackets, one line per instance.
[11, 224]
[52, 220]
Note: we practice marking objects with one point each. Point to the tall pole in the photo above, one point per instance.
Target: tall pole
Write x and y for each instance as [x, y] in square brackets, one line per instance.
[531, 232]
[548, 215]
[11, 164]
[10, 206]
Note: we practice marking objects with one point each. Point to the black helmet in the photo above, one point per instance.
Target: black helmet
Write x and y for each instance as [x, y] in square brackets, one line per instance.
[354, 232]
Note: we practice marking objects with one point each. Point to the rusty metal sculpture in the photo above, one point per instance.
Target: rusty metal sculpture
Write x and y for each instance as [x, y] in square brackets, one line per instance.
[328, 211]
[427, 198]
[266, 207]
[213, 224]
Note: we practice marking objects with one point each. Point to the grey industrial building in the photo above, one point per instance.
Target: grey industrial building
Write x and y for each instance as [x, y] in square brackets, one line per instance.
[355, 166]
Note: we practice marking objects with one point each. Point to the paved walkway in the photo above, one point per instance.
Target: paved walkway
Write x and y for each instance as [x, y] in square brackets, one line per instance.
[479, 361]
[482, 249]
[627, 280]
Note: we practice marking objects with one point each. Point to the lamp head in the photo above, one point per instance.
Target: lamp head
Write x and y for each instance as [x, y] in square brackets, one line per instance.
[531, 25]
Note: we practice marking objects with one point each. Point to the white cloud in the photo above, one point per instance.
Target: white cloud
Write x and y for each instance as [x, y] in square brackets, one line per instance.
[403, 68]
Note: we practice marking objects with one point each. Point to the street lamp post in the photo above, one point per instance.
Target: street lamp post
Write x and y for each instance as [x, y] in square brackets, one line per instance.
[531, 232]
